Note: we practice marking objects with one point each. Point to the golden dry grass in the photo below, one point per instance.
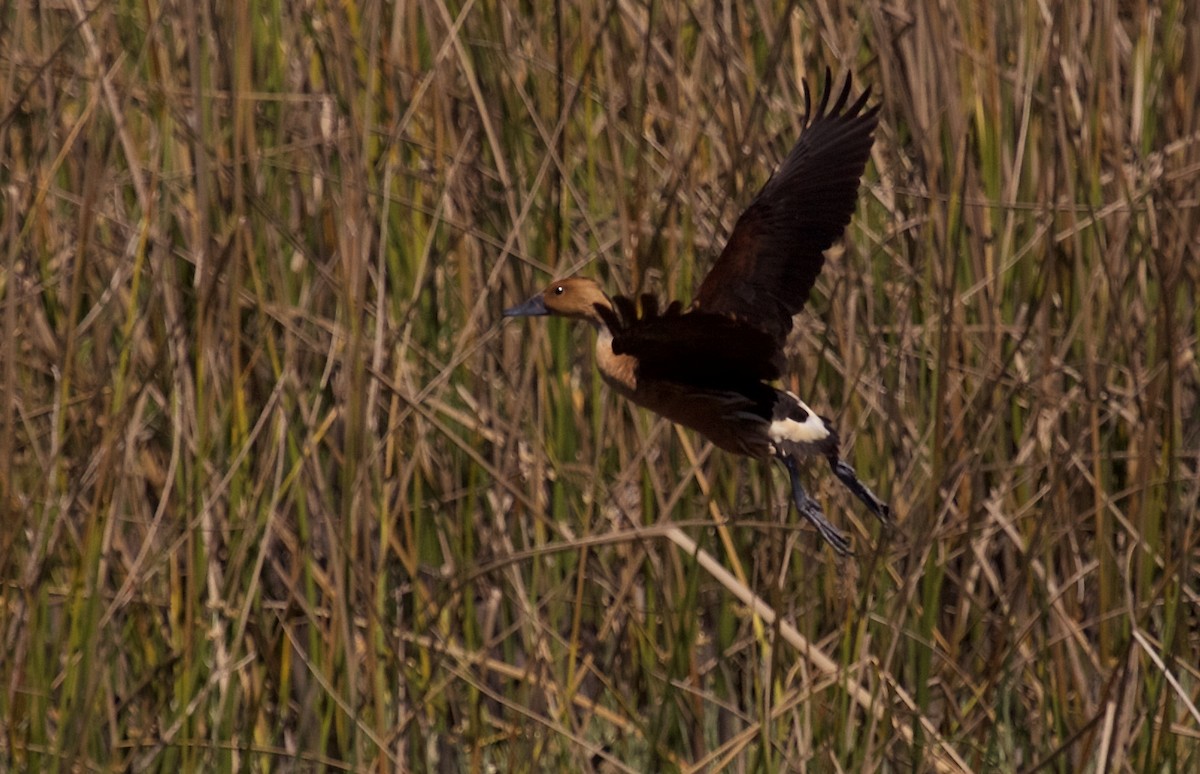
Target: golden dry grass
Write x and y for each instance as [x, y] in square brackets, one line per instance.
[279, 490]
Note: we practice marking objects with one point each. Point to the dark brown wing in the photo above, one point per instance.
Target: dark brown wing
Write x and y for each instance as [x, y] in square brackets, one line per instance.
[711, 351]
[777, 247]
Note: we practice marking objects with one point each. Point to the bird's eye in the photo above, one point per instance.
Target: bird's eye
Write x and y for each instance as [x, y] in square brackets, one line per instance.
[558, 291]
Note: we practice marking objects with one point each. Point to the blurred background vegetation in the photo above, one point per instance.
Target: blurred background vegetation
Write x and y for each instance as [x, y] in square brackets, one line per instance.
[279, 491]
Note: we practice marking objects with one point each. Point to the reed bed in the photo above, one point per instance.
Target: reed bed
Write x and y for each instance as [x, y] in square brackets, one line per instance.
[280, 491]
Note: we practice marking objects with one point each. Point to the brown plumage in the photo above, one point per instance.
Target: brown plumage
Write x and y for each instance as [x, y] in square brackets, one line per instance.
[708, 368]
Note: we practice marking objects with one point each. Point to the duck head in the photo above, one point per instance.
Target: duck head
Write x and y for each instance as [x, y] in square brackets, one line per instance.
[578, 298]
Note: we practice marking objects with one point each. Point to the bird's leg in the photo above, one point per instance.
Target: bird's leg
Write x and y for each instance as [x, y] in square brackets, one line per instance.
[811, 510]
[846, 473]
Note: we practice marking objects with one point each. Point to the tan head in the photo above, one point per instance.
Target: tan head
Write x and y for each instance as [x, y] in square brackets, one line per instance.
[574, 297]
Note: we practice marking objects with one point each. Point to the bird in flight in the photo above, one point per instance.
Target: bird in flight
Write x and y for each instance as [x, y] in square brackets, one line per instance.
[710, 367]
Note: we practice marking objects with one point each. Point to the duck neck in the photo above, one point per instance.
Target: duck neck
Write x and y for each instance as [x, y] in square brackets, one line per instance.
[620, 371]
[599, 315]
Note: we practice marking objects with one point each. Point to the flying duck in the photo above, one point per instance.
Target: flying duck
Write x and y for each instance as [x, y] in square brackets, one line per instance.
[710, 367]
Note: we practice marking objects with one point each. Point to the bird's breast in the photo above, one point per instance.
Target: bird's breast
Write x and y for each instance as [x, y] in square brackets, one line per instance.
[620, 371]
[728, 418]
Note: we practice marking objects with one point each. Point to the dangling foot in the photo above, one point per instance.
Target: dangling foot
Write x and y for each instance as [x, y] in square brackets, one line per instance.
[846, 473]
[811, 510]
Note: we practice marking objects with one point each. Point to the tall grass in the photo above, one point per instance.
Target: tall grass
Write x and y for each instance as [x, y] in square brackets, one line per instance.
[279, 491]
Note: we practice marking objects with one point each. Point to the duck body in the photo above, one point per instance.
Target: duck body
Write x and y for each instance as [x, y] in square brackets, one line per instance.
[710, 368]
[718, 397]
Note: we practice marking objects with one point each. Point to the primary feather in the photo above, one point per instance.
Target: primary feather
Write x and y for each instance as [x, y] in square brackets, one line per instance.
[777, 248]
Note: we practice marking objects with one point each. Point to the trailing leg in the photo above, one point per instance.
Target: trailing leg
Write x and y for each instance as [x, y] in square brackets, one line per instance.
[848, 477]
[811, 510]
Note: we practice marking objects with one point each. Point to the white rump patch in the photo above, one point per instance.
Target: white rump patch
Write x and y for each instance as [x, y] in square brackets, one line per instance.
[811, 430]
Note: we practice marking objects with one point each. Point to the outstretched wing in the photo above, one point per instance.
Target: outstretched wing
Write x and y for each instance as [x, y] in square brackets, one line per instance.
[778, 245]
[700, 349]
